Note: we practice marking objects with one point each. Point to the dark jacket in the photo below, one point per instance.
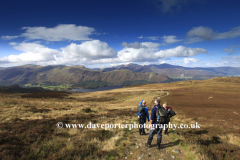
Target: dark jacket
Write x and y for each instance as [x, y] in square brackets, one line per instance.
[170, 113]
[153, 114]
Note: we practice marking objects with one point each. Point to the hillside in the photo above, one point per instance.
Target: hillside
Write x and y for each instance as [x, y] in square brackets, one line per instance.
[179, 71]
[41, 125]
[56, 75]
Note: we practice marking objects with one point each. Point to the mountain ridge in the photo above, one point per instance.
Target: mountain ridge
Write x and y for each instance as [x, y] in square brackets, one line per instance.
[62, 74]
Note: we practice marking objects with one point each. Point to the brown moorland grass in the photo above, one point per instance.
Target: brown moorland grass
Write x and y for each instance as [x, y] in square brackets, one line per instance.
[28, 125]
[218, 116]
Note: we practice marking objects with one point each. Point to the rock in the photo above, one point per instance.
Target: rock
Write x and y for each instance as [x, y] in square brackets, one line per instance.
[125, 157]
[176, 151]
[140, 157]
[173, 157]
[137, 147]
[131, 153]
[164, 156]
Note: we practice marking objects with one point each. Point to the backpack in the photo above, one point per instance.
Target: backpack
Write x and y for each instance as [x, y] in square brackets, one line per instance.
[141, 111]
[161, 115]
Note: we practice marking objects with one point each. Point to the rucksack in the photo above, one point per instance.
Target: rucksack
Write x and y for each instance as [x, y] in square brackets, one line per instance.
[161, 115]
[141, 111]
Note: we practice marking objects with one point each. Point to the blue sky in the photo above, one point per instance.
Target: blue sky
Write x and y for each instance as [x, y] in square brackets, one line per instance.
[104, 33]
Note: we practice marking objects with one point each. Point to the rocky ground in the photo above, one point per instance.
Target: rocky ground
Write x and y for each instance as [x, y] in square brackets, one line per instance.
[169, 148]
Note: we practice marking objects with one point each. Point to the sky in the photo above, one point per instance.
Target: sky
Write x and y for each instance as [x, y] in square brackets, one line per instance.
[105, 33]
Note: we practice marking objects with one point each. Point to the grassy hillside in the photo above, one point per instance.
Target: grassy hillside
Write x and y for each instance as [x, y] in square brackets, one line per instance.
[179, 71]
[28, 122]
[77, 75]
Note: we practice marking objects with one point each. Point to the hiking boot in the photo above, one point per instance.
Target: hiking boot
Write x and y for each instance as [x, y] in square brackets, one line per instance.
[147, 145]
[159, 140]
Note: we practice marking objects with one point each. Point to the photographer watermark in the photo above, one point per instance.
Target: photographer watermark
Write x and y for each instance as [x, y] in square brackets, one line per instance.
[91, 125]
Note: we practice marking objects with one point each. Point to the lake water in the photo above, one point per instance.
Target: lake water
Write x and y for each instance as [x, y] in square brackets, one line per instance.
[97, 89]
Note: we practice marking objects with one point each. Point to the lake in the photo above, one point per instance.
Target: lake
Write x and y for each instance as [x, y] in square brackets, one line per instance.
[97, 89]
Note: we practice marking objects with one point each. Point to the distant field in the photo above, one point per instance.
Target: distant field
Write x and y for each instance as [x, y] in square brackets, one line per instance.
[28, 121]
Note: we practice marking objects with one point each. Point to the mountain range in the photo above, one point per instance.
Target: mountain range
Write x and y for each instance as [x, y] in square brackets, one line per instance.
[79, 76]
[178, 71]
[61, 74]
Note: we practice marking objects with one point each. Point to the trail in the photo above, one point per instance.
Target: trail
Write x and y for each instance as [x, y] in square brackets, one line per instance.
[169, 148]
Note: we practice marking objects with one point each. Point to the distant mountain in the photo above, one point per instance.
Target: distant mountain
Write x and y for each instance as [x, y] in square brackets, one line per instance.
[61, 74]
[179, 71]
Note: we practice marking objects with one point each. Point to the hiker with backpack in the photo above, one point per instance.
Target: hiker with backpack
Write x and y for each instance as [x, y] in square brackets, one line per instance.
[142, 113]
[158, 119]
[170, 114]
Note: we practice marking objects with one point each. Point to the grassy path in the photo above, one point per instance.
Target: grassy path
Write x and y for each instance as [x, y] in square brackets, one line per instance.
[169, 148]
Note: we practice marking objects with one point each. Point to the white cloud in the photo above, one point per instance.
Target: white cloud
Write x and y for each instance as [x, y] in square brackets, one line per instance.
[235, 32]
[154, 38]
[189, 60]
[59, 33]
[133, 45]
[179, 51]
[89, 50]
[230, 49]
[201, 33]
[171, 39]
[138, 45]
[13, 43]
[205, 33]
[32, 53]
[161, 62]
[9, 37]
[95, 52]
[143, 54]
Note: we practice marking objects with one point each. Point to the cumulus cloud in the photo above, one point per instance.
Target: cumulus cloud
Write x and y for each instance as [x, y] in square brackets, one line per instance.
[189, 60]
[32, 52]
[9, 37]
[230, 49]
[138, 45]
[89, 50]
[133, 45]
[201, 33]
[58, 33]
[179, 51]
[143, 54]
[73, 53]
[140, 37]
[171, 39]
[96, 52]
